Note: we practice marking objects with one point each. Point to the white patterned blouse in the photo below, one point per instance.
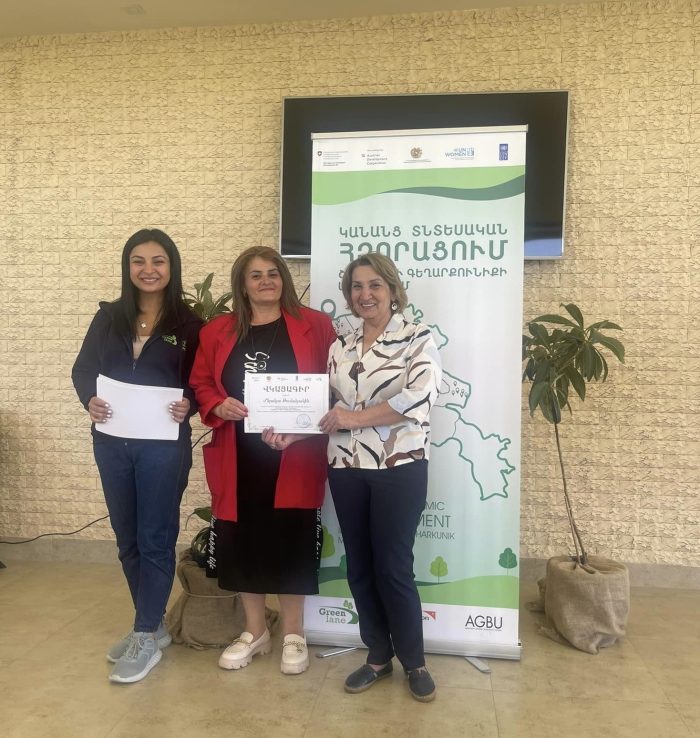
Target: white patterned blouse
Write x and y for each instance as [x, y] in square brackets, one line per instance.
[402, 367]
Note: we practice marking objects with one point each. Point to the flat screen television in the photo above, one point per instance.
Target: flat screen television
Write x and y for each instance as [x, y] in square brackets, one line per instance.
[545, 113]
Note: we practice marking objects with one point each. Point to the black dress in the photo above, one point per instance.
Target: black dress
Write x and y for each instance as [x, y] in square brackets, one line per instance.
[268, 549]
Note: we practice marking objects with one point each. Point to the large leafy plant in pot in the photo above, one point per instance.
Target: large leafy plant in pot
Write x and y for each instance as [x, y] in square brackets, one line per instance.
[585, 598]
[203, 616]
[207, 307]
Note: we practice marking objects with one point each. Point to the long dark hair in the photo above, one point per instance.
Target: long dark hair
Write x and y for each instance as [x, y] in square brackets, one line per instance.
[240, 304]
[173, 306]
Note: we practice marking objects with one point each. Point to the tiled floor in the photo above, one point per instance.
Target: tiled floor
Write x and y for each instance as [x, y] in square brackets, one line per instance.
[58, 619]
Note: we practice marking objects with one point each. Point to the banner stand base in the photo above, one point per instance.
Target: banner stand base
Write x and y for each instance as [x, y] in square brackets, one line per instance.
[335, 652]
[478, 664]
[340, 643]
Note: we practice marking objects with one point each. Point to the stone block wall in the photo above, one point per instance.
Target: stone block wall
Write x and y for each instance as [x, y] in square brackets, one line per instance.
[102, 134]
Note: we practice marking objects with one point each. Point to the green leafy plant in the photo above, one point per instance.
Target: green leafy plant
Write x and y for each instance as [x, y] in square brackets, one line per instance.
[557, 359]
[204, 304]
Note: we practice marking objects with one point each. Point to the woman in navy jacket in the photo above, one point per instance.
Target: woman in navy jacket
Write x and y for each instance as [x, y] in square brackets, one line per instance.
[147, 337]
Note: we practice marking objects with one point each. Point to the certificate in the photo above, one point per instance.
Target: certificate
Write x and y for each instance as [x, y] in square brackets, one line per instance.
[138, 411]
[289, 403]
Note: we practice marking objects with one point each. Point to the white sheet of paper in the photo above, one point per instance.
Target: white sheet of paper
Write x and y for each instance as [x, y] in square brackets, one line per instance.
[289, 403]
[138, 411]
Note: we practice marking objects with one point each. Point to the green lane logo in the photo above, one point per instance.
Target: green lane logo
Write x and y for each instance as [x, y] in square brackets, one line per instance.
[344, 615]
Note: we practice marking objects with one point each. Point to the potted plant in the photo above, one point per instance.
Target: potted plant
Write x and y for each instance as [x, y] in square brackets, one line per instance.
[207, 307]
[203, 616]
[585, 598]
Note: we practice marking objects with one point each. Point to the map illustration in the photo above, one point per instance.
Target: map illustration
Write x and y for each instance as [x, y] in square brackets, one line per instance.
[489, 469]
[483, 467]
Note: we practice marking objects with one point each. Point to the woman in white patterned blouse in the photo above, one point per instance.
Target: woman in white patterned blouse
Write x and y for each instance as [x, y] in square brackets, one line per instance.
[384, 378]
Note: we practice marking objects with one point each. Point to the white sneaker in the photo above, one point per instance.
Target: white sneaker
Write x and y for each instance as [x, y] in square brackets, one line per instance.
[240, 653]
[295, 655]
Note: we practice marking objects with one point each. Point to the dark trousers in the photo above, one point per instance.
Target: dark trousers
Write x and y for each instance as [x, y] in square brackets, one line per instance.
[143, 482]
[379, 511]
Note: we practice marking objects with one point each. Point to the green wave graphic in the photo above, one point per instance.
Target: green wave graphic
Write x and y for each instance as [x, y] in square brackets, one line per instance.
[497, 192]
[334, 188]
[487, 591]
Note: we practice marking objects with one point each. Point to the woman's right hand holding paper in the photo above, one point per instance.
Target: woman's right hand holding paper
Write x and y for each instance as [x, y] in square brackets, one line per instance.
[231, 409]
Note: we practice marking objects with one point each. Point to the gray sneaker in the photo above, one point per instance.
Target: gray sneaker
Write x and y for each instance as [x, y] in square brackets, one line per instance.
[140, 657]
[119, 648]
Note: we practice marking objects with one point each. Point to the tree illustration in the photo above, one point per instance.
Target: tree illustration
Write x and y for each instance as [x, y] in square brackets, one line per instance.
[328, 548]
[508, 560]
[438, 568]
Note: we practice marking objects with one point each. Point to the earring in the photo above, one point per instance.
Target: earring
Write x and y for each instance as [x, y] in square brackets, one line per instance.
[394, 305]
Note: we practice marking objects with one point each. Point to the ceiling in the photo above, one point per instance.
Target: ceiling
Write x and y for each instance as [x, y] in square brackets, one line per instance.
[47, 17]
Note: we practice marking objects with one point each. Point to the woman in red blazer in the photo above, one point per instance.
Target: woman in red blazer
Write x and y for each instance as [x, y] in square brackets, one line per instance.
[266, 531]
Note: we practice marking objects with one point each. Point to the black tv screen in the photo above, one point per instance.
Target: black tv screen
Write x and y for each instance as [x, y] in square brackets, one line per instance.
[545, 114]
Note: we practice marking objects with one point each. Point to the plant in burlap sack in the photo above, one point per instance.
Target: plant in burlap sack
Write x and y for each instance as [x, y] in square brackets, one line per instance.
[207, 307]
[204, 615]
[586, 598]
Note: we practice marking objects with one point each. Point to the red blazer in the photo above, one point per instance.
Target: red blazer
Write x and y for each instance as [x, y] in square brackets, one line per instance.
[302, 476]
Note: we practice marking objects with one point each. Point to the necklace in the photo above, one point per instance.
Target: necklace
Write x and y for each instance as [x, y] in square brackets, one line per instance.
[144, 318]
[260, 364]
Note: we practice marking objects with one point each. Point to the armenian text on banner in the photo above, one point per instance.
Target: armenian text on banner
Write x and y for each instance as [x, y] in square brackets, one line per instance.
[448, 207]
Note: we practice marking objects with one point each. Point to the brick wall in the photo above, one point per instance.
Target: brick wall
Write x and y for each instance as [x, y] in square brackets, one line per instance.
[102, 134]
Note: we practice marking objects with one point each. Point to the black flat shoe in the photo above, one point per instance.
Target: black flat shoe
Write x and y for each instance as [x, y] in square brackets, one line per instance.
[421, 685]
[364, 677]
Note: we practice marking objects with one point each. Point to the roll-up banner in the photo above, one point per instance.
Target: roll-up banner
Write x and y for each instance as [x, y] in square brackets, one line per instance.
[447, 205]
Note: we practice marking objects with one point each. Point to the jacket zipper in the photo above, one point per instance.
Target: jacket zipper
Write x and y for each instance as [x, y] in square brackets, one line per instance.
[143, 348]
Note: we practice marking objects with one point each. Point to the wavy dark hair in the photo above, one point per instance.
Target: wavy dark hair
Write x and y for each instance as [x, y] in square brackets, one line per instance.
[240, 304]
[173, 307]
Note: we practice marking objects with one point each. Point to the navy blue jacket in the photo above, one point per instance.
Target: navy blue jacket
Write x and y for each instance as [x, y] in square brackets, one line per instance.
[166, 358]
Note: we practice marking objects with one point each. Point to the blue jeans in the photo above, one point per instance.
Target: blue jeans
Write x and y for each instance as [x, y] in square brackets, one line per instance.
[143, 482]
[379, 511]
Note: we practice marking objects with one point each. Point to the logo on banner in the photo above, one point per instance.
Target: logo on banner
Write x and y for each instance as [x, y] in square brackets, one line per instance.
[461, 153]
[443, 242]
[344, 615]
[484, 622]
